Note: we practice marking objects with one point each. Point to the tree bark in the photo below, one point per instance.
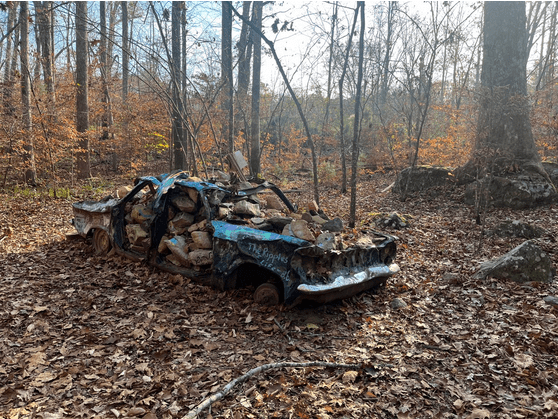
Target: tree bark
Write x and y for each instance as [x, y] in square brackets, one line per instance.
[244, 53]
[29, 154]
[356, 128]
[256, 76]
[227, 74]
[177, 132]
[7, 90]
[112, 9]
[341, 107]
[106, 119]
[331, 45]
[504, 137]
[125, 50]
[82, 104]
[44, 24]
[392, 7]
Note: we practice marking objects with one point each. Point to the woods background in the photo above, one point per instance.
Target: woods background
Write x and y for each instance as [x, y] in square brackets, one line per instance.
[114, 86]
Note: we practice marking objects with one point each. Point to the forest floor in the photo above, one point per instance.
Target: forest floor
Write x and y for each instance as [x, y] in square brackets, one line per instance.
[84, 335]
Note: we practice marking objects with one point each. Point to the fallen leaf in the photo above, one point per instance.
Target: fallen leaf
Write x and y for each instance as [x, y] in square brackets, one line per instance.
[350, 377]
[479, 414]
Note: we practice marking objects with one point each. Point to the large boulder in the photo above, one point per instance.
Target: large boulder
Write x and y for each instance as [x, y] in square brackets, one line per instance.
[518, 229]
[517, 190]
[420, 178]
[525, 263]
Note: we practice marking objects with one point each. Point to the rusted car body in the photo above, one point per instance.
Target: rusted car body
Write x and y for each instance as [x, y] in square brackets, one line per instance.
[280, 267]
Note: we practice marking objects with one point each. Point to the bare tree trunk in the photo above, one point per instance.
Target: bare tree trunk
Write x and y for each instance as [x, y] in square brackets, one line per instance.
[186, 137]
[82, 104]
[125, 50]
[295, 100]
[107, 112]
[51, 34]
[341, 106]
[7, 90]
[504, 77]
[68, 41]
[244, 54]
[177, 133]
[44, 24]
[392, 7]
[356, 130]
[256, 71]
[29, 155]
[331, 45]
[112, 9]
[227, 73]
[37, 53]
[546, 69]
[504, 139]
[106, 119]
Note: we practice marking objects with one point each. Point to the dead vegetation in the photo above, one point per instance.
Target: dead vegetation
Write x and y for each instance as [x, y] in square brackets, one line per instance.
[94, 336]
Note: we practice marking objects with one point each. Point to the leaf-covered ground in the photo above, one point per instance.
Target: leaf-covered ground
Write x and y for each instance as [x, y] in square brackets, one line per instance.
[84, 335]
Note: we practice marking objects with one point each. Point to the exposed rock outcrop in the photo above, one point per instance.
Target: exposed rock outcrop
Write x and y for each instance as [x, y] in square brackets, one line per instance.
[525, 263]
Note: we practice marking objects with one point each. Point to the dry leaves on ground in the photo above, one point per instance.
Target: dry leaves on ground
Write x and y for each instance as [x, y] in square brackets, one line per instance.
[89, 336]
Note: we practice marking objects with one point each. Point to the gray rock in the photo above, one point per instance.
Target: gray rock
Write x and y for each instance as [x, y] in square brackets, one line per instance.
[300, 229]
[334, 225]
[553, 301]
[525, 263]
[273, 202]
[319, 220]
[413, 179]
[327, 241]
[247, 208]
[518, 229]
[518, 191]
[184, 203]
[279, 222]
[398, 303]
[307, 216]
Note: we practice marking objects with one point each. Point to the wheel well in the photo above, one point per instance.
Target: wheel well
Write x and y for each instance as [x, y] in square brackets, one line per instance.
[250, 275]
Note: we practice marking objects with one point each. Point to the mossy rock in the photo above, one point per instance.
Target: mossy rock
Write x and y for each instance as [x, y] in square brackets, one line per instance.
[420, 178]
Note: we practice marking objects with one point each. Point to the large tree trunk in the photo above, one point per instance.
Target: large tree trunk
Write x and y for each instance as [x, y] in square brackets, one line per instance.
[505, 157]
[29, 155]
[255, 116]
[82, 104]
[504, 138]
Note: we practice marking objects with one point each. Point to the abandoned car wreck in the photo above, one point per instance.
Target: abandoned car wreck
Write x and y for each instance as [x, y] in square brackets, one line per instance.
[234, 237]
